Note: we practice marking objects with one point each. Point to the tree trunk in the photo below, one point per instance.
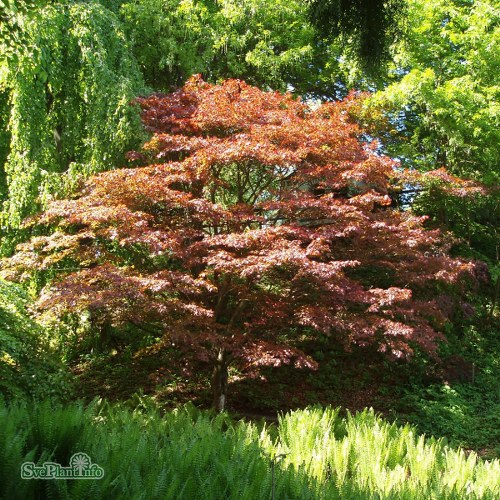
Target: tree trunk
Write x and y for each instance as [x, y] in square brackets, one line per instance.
[219, 381]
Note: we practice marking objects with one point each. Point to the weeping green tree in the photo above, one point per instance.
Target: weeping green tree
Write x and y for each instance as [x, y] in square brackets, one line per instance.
[66, 105]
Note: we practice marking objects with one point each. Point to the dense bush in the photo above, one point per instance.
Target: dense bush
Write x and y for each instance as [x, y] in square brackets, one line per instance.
[465, 406]
[28, 367]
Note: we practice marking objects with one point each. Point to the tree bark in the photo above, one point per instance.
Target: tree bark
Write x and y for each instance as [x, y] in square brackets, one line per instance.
[219, 381]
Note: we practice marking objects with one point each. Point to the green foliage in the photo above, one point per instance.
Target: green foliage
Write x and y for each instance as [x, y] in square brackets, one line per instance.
[28, 367]
[313, 453]
[368, 27]
[443, 110]
[366, 453]
[468, 413]
[11, 24]
[261, 42]
[69, 99]
[473, 218]
[270, 44]
[445, 103]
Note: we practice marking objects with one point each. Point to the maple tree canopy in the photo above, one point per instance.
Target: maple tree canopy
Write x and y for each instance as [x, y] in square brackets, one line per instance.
[250, 220]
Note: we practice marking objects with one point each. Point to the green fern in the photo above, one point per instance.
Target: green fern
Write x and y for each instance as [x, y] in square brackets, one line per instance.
[192, 454]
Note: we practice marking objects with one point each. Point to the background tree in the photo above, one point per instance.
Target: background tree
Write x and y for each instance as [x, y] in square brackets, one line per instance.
[444, 103]
[368, 27]
[442, 110]
[268, 44]
[260, 221]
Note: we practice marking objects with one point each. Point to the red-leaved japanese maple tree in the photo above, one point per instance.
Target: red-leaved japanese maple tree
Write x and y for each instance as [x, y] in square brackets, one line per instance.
[257, 219]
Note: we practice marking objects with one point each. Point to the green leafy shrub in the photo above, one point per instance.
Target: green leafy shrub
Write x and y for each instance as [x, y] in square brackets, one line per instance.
[28, 367]
[465, 409]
